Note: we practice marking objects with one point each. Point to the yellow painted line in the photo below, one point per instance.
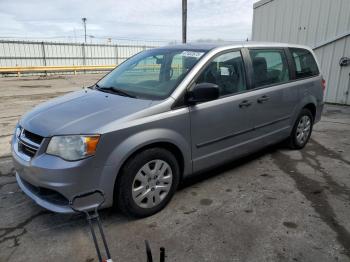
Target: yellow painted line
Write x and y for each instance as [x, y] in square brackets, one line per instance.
[24, 69]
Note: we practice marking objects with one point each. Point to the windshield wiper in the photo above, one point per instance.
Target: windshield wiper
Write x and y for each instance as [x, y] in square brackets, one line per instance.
[114, 90]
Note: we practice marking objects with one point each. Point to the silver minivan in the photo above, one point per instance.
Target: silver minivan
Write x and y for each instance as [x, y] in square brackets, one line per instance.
[162, 115]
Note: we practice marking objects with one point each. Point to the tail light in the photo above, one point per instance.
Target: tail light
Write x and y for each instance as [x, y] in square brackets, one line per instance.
[323, 85]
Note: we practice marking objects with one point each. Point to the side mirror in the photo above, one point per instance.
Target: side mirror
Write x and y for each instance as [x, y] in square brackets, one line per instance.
[203, 92]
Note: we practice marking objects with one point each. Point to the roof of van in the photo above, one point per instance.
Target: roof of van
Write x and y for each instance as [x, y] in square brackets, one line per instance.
[210, 46]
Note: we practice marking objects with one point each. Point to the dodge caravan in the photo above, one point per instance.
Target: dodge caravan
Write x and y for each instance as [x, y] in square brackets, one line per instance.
[162, 115]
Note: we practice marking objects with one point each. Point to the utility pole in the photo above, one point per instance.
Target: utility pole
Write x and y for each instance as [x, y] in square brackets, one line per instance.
[184, 21]
[84, 22]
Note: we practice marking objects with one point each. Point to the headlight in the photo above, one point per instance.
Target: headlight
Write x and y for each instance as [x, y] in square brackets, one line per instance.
[73, 147]
[18, 131]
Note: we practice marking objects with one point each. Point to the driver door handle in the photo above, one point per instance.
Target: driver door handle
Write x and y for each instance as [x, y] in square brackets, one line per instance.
[245, 103]
[263, 99]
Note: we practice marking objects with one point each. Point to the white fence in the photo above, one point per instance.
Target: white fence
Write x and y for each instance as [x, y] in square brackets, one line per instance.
[31, 53]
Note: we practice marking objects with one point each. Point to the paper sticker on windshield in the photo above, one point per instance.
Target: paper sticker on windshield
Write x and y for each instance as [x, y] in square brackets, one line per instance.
[192, 54]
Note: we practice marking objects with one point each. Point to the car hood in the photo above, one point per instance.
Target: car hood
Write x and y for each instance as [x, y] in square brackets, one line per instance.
[80, 112]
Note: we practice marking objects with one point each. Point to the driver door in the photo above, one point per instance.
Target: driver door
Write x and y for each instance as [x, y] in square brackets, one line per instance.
[220, 127]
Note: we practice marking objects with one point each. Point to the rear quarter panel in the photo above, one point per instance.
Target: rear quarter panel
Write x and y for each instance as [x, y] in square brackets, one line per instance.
[310, 92]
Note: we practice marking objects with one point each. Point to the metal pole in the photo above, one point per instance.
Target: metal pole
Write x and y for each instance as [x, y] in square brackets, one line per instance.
[84, 22]
[116, 54]
[184, 21]
[84, 56]
[44, 55]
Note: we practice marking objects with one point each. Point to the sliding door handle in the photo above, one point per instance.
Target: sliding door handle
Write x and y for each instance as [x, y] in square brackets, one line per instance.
[245, 103]
[263, 99]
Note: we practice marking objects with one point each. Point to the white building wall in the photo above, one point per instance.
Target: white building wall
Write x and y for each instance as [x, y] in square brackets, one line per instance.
[321, 24]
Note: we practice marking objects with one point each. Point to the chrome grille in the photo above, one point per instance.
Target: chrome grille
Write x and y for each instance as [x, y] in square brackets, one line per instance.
[29, 143]
[33, 137]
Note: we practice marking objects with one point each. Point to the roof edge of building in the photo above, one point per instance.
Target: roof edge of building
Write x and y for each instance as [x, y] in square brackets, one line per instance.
[261, 3]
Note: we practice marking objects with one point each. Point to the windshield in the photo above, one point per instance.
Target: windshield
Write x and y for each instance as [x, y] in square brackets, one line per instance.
[151, 74]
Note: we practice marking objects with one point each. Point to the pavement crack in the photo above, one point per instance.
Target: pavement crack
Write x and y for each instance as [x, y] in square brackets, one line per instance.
[7, 117]
[6, 135]
[39, 96]
[11, 174]
[8, 183]
[5, 157]
[308, 187]
[14, 233]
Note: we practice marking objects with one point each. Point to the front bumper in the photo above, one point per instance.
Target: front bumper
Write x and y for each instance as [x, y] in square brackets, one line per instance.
[28, 190]
[51, 181]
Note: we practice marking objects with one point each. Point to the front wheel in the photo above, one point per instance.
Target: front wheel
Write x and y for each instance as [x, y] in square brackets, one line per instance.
[147, 182]
[302, 130]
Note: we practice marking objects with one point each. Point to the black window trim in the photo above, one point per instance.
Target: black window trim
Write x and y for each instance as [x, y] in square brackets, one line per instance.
[195, 78]
[289, 50]
[291, 67]
[249, 71]
[268, 48]
[180, 102]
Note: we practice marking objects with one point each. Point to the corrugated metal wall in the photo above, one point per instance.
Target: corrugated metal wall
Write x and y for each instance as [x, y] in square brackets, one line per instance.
[321, 24]
[31, 53]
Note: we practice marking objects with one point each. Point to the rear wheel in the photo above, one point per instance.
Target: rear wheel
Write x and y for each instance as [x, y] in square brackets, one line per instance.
[147, 182]
[302, 130]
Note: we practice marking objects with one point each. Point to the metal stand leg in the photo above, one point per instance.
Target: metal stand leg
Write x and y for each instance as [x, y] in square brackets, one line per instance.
[148, 252]
[162, 254]
[103, 237]
[94, 238]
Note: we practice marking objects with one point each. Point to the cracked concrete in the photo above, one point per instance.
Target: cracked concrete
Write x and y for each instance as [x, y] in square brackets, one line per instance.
[276, 205]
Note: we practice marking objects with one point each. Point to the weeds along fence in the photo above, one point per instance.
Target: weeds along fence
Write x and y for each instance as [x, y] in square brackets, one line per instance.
[32, 57]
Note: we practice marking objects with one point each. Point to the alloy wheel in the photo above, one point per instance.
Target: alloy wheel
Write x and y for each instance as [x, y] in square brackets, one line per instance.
[152, 183]
[303, 129]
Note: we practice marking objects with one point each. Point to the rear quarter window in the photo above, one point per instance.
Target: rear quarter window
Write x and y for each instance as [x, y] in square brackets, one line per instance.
[305, 64]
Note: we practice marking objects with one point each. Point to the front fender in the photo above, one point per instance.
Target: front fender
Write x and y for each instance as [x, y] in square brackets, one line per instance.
[147, 137]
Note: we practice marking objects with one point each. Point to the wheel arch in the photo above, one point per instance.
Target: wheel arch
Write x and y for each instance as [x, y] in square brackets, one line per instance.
[167, 139]
[171, 147]
[312, 108]
[308, 102]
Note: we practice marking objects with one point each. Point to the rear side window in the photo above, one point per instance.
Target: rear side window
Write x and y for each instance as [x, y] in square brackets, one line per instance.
[270, 66]
[305, 64]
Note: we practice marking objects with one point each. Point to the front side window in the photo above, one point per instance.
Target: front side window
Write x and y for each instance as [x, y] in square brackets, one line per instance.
[152, 74]
[226, 71]
[305, 64]
[269, 66]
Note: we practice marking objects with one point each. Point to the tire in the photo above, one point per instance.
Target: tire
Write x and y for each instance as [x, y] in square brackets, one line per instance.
[141, 190]
[298, 138]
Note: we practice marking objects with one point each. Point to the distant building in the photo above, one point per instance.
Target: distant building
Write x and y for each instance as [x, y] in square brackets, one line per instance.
[323, 25]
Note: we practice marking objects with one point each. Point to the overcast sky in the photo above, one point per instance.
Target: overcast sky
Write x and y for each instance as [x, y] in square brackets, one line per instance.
[125, 19]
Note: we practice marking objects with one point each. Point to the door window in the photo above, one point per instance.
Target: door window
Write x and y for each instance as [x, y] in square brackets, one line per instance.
[305, 64]
[226, 71]
[270, 67]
